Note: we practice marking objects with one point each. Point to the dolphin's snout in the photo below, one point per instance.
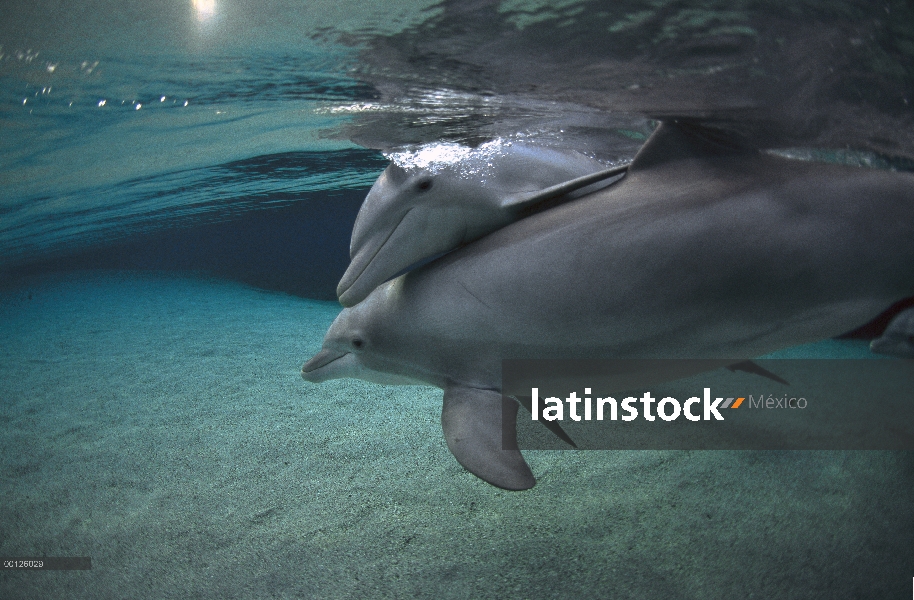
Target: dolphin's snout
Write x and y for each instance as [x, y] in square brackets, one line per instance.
[360, 277]
[348, 293]
[314, 371]
[373, 262]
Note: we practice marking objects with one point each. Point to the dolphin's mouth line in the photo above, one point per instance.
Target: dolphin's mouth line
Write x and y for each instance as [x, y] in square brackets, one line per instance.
[376, 252]
[322, 363]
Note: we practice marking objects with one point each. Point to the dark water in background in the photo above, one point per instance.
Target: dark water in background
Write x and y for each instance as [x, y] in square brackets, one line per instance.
[140, 135]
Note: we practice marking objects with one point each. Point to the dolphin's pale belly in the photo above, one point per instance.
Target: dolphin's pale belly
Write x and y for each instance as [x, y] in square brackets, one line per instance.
[656, 271]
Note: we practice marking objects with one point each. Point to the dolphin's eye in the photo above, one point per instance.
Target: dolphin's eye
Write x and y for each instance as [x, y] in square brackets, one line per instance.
[424, 185]
[357, 343]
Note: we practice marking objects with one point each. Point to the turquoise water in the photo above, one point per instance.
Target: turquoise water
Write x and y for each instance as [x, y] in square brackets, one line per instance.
[178, 182]
[116, 149]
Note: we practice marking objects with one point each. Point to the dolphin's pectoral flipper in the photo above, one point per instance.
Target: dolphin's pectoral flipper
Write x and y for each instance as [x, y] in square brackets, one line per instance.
[750, 367]
[475, 435]
[552, 426]
[525, 201]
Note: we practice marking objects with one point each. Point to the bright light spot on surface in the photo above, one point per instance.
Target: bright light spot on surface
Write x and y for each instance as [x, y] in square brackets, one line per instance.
[102, 102]
[51, 67]
[204, 9]
[138, 106]
[185, 103]
[162, 99]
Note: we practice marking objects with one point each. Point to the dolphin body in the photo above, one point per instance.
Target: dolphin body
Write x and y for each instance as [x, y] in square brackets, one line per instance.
[706, 249]
[898, 338]
[420, 211]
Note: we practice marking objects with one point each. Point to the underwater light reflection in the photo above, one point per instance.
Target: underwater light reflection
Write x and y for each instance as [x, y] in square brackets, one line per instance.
[204, 9]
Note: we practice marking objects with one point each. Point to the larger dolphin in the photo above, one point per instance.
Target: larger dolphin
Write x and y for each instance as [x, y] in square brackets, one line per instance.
[446, 195]
[704, 250]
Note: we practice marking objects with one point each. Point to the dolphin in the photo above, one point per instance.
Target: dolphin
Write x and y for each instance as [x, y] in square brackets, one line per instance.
[706, 249]
[898, 338]
[432, 206]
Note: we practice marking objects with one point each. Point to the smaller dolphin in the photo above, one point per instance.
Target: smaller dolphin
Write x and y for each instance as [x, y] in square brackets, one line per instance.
[428, 207]
[898, 338]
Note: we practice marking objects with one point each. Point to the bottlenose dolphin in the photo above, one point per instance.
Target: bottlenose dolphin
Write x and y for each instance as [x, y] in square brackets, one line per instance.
[898, 338]
[706, 249]
[417, 211]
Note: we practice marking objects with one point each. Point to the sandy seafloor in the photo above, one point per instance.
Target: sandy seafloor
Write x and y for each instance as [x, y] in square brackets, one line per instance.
[159, 424]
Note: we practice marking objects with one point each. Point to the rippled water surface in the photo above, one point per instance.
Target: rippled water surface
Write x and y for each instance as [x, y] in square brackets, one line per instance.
[125, 117]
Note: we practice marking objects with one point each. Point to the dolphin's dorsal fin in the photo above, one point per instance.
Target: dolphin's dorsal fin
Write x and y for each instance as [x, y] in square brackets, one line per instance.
[521, 202]
[678, 140]
[486, 447]
[672, 140]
